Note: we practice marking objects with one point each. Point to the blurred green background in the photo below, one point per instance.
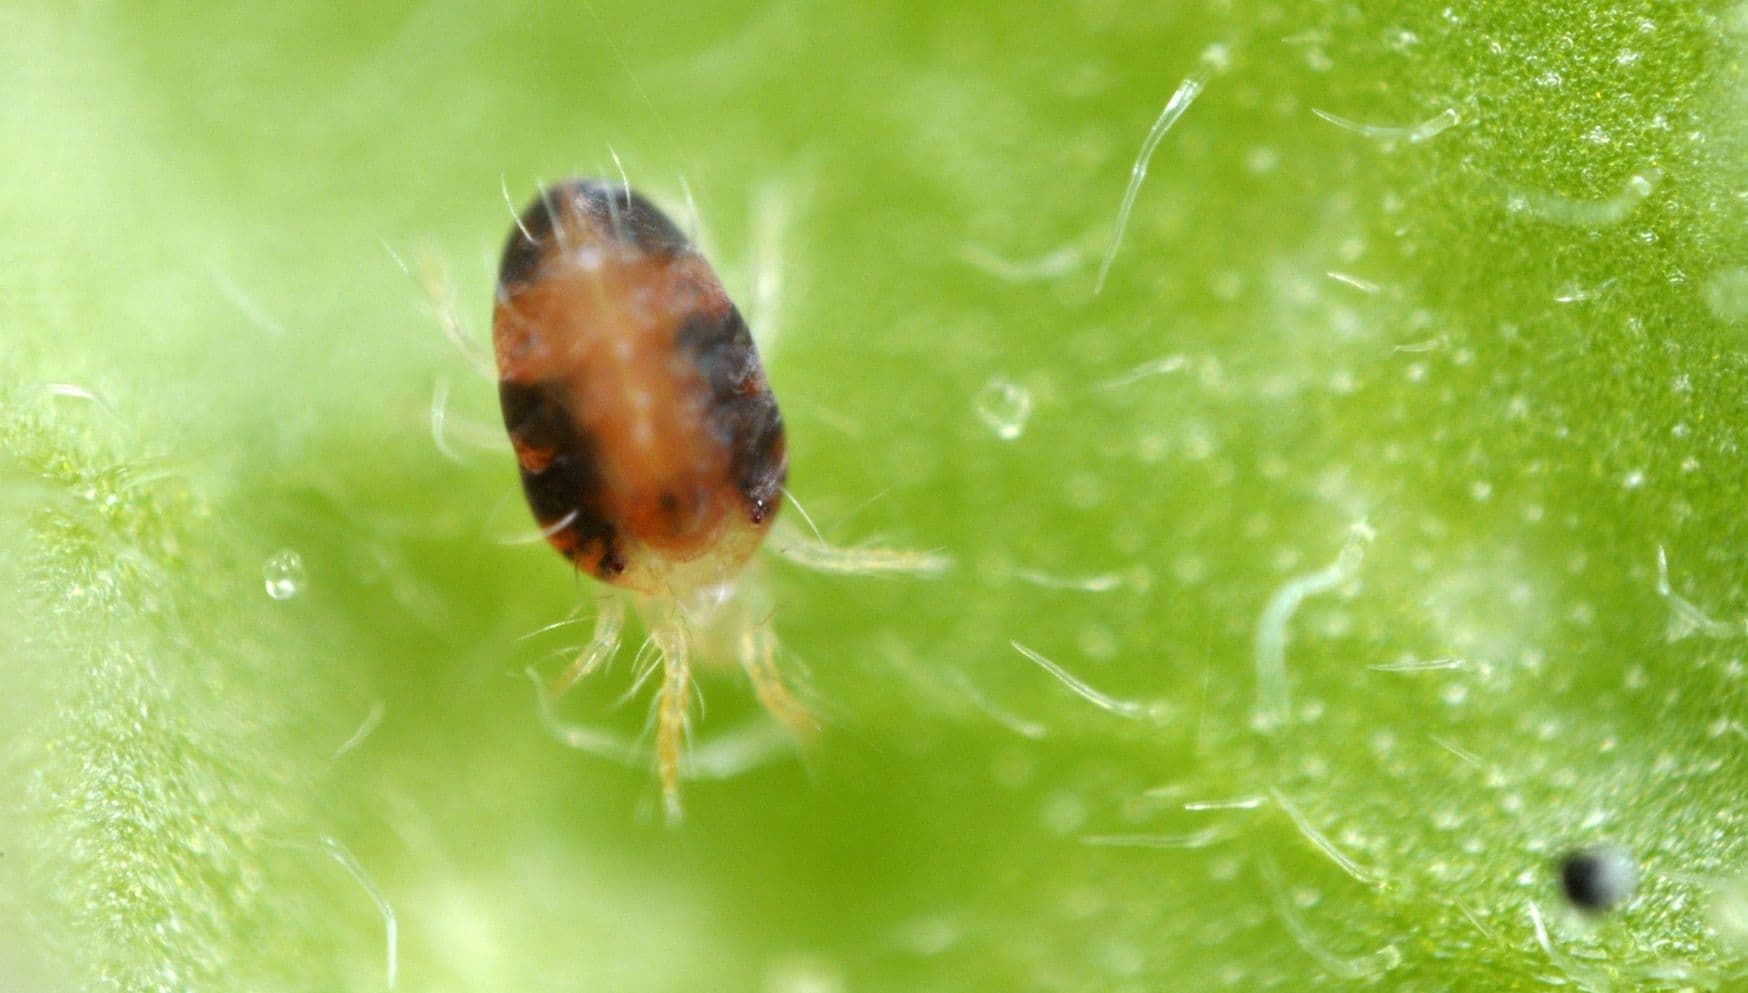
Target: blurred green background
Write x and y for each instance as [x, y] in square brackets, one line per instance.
[1513, 346]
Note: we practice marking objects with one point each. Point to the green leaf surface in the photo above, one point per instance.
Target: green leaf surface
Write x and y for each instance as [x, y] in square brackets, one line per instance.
[1421, 349]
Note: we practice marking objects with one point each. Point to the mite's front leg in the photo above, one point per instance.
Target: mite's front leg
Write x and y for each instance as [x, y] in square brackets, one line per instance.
[673, 710]
[609, 621]
[758, 656]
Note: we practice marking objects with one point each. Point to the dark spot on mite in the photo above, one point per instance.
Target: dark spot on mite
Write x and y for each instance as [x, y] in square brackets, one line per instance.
[1597, 879]
[633, 220]
[568, 489]
[535, 415]
[743, 413]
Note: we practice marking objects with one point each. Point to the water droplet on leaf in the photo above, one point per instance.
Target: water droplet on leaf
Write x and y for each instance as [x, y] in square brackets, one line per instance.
[283, 574]
[1004, 406]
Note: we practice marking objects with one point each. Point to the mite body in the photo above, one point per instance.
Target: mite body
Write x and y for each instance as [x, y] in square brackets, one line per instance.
[650, 447]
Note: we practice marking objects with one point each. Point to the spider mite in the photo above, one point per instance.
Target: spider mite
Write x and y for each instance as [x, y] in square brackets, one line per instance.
[651, 449]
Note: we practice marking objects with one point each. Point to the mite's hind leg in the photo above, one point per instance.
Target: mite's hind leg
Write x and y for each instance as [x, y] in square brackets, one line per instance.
[814, 553]
[435, 282]
[609, 621]
[446, 427]
[673, 706]
[758, 656]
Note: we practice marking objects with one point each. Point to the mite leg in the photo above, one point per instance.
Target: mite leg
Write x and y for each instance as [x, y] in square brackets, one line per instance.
[609, 620]
[672, 711]
[814, 553]
[446, 427]
[758, 656]
[435, 282]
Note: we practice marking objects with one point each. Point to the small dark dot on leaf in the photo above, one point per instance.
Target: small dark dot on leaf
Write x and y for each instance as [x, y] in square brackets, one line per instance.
[1597, 879]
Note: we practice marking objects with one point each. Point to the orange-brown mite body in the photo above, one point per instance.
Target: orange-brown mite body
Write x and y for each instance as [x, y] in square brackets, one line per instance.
[651, 449]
